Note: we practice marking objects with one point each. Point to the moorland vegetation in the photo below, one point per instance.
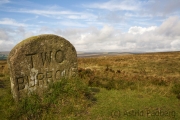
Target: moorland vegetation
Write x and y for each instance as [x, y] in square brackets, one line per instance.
[142, 86]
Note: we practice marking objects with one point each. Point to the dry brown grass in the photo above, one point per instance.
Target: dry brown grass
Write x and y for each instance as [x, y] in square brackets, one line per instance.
[3, 67]
[123, 82]
[161, 69]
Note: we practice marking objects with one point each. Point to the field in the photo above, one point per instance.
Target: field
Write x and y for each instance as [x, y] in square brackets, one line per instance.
[124, 87]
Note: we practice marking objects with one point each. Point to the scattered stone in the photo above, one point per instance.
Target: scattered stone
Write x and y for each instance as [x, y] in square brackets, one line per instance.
[39, 60]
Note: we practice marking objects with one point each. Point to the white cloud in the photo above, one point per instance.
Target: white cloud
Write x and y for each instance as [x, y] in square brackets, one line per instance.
[97, 36]
[82, 15]
[115, 5]
[141, 30]
[29, 19]
[112, 17]
[170, 27]
[12, 22]
[162, 7]
[3, 35]
[69, 23]
[175, 44]
[9, 37]
[46, 12]
[65, 17]
[136, 39]
[6, 45]
[165, 37]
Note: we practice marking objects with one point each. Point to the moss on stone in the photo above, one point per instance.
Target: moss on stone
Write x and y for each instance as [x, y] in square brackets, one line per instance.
[49, 55]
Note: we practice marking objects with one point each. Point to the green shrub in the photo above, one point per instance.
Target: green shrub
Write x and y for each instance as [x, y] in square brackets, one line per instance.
[176, 88]
[110, 85]
[62, 94]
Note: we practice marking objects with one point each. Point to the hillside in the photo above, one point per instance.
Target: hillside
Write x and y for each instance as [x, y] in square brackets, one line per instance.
[135, 86]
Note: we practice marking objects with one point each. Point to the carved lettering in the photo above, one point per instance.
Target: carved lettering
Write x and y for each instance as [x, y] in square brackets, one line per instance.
[49, 74]
[38, 61]
[31, 59]
[46, 57]
[20, 82]
[40, 76]
[59, 56]
[57, 74]
[43, 78]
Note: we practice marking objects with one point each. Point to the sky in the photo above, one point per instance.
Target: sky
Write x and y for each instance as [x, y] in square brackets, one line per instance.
[94, 25]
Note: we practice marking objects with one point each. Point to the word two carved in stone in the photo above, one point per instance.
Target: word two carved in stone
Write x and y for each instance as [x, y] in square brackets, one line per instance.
[39, 60]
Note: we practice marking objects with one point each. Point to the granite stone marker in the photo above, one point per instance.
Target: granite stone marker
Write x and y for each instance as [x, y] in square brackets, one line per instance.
[39, 60]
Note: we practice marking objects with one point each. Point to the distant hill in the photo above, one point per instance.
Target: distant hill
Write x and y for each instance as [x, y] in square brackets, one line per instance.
[4, 54]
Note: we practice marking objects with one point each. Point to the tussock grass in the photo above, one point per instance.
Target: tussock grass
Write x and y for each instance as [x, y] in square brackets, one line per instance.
[68, 98]
[144, 86]
[133, 83]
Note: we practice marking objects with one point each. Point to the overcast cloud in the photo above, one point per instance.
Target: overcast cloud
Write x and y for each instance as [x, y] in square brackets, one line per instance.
[109, 25]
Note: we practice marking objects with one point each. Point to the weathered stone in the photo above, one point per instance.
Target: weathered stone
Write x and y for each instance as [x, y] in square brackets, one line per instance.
[39, 60]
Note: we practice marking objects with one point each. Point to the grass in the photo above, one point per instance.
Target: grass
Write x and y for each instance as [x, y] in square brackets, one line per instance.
[129, 104]
[130, 87]
[67, 98]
